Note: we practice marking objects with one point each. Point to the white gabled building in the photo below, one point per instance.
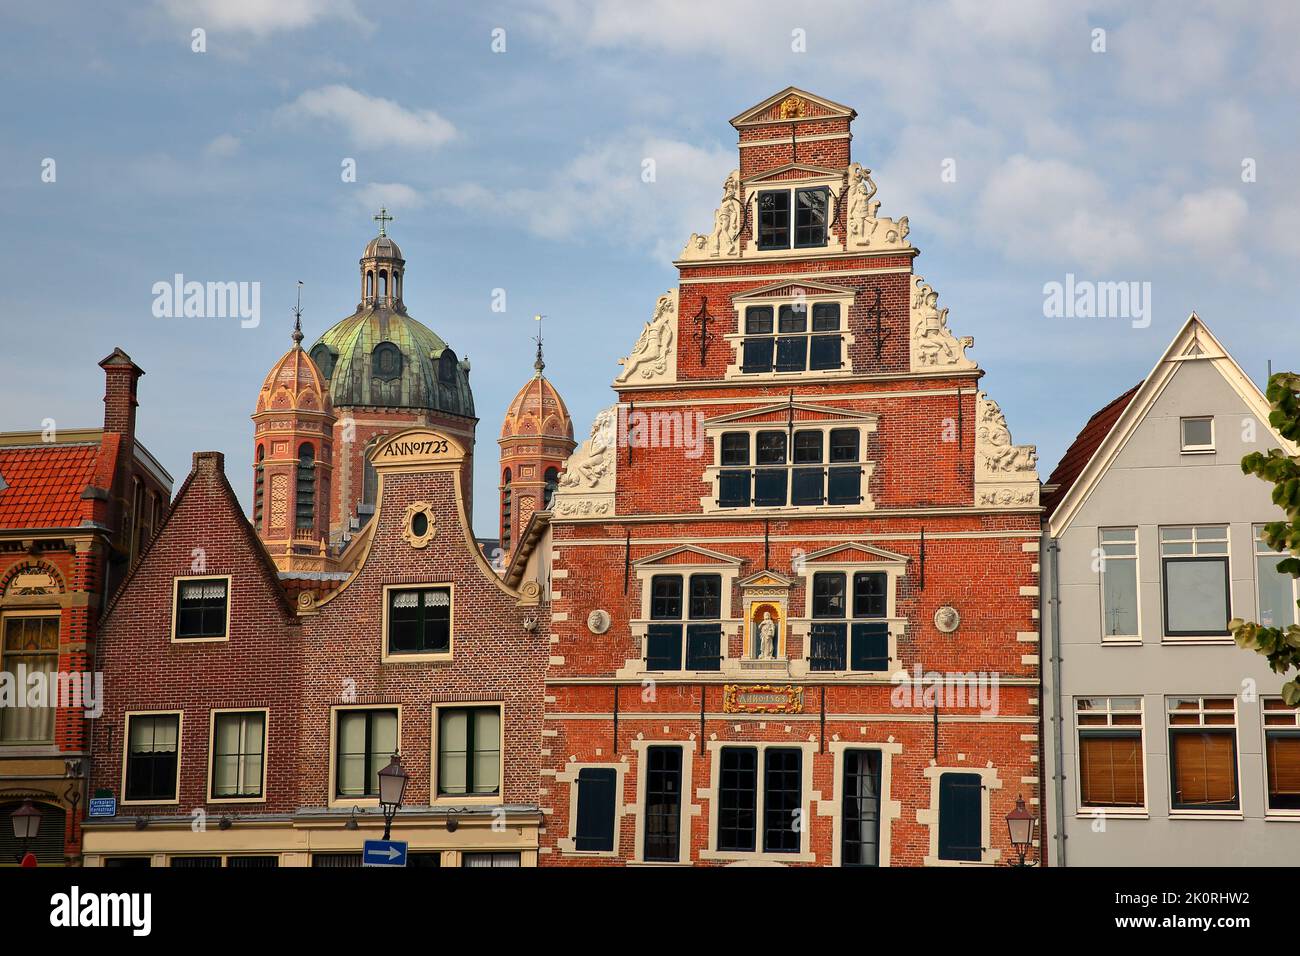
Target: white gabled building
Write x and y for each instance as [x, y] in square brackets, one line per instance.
[1168, 744]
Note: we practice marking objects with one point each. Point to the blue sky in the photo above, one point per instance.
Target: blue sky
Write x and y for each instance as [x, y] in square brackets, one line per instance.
[521, 170]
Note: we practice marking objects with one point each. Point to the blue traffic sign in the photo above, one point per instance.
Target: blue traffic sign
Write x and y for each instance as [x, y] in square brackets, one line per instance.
[383, 853]
[103, 806]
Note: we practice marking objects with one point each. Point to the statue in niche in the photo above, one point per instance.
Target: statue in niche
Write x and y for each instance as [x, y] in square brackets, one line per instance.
[766, 631]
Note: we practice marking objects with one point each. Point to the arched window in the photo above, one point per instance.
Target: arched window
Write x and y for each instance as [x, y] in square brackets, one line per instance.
[383, 282]
[505, 512]
[552, 477]
[386, 361]
[370, 284]
[369, 478]
[306, 505]
[323, 359]
[258, 494]
[447, 367]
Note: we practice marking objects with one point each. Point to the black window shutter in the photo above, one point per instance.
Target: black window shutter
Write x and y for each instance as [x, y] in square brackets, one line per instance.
[596, 800]
[961, 800]
[663, 647]
[870, 646]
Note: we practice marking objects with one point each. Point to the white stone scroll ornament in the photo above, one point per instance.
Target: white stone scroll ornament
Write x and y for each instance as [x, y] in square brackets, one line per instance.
[654, 357]
[728, 219]
[1006, 474]
[867, 229]
[933, 345]
[586, 486]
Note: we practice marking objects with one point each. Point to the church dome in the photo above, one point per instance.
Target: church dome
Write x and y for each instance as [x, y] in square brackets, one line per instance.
[293, 384]
[538, 409]
[381, 357]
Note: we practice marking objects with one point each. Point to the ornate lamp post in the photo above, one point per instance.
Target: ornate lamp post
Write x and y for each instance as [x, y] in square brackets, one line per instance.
[26, 821]
[1020, 824]
[392, 784]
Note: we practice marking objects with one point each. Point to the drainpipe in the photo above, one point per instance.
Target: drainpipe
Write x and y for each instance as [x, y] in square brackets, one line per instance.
[1058, 724]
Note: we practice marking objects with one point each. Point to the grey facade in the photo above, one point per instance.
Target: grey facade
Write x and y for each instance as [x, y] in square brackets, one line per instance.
[1132, 678]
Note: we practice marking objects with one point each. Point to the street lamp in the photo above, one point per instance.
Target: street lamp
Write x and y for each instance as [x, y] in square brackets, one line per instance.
[1020, 824]
[26, 820]
[392, 784]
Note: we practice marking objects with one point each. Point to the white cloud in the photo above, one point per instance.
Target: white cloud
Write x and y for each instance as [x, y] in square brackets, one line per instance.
[371, 121]
[601, 193]
[1211, 220]
[393, 196]
[222, 146]
[258, 17]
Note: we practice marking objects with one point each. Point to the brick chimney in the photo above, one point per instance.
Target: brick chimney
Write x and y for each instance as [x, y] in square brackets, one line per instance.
[120, 375]
[209, 463]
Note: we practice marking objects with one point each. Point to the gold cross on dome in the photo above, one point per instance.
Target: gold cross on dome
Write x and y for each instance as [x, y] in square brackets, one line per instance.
[383, 218]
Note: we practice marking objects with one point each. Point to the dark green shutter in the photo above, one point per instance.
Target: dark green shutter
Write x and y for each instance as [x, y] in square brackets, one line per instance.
[595, 809]
[961, 800]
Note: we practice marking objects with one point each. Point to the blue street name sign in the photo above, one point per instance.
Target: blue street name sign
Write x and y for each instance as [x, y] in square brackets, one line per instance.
[383, 853]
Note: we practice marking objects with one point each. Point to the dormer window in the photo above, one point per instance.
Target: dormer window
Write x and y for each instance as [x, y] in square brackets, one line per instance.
[386, 361]
[810, 218]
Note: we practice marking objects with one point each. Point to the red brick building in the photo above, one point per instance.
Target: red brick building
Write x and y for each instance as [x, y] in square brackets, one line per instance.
[77, 508]
[801, 513]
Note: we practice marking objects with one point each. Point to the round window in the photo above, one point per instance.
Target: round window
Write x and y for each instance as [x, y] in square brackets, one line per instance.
[419, 524]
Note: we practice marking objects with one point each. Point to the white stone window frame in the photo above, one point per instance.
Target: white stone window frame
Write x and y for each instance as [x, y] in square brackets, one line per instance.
[1197, 539]
[1184, 447]
[640, 626]
[567, 845]
[865, 427]
[213, 716]
[894, 569]
[690, 809]
[1136, 559]
[1285, 711]
[127, 717]
[1088, 813]
[1171, 728]
[806, 797]
[929, 816]
[811, 295]
[1261, 550]
[891, 810]
[832, 181]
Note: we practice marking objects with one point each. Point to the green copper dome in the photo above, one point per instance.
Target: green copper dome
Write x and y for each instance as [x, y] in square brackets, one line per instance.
[381, 357]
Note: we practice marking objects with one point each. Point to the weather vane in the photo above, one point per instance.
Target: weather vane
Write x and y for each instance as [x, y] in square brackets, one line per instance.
[383, 218]
[297, 317]
[539, 364]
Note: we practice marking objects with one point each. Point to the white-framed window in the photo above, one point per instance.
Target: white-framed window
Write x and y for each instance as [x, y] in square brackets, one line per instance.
[237, 747]
[1276, 593]
[151, 757]
[468, 757]
[794, 336]
[201, 609]
[29, 639]
[418, 622]
[1281, 756]
[1112, 763]
[1203, 773]
[685, 628]
[1118, 569]
[365, 739]
[1195, 581]
[1196, 434]
[796, 218]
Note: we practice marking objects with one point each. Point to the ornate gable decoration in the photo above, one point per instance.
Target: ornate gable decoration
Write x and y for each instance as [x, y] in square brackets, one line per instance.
[687, 554]
[781, 414]
[654, 357]
[728, 219]
[933, 344]
[868, 229]
[853, 553]
[792, 105]
[586, 488]
[1006, 474]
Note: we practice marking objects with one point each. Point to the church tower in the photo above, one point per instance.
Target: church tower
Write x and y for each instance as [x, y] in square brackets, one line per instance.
[293, 435]
[536, 438]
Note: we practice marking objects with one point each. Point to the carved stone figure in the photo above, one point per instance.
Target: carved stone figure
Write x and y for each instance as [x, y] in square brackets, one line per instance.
[996, 450]
[767, 637]
[654, 356]
[867, 229]
[593, 461]
[728, 218]
[933, 345]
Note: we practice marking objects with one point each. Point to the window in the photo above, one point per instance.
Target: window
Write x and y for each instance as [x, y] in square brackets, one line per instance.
[1110, 752]
[1282, 754]
[490, 859]
[366, 739]
[860, 640]
[1203, 753]
[1197, 434]
[663, 804]
[1276, 590]
[419, 621]
[386, 362]
[336, 861]
[30, 641]
[1119, 583]
[737, 798]
[195, 862]
[306, 500]
[238, 755]
[201, 608]
[506, 529]
[258, 490]
[860, 809]
[1194, 573]
[552, 479]
[961, 812]
[797, 347]
[700, 635]
[469, 751]
[792, 467]
[323, 359]
[810, 218]
[597, 801]
[782, 799]
[152, 757]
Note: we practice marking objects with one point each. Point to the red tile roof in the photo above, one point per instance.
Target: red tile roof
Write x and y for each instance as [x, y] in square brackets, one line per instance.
[43, 484]
[1077, 456]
